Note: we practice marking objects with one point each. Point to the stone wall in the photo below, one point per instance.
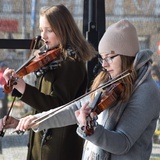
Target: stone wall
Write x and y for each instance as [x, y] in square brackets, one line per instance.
[144, 14]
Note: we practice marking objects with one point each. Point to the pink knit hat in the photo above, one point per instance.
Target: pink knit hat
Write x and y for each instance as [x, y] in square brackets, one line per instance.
[120, 37]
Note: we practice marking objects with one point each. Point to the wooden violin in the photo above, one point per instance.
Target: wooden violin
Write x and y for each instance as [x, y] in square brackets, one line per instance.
[33, 64]
[105, 100]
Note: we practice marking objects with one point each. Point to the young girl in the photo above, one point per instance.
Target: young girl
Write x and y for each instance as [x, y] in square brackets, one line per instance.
[124, 130]
[58, 82]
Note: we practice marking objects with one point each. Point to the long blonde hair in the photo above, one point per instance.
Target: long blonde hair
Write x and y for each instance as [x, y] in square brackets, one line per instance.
[128, 82]
[65, 28]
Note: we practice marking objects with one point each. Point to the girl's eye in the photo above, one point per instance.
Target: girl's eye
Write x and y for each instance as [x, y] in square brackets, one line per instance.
[45, 30]
[50, 30]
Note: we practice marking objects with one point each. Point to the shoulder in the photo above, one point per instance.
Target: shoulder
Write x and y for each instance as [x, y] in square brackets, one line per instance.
[147, 95]
[149, 86]
[73, 65]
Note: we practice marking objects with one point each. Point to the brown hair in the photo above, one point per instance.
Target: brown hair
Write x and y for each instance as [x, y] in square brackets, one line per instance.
[65, 28]
[127, 63]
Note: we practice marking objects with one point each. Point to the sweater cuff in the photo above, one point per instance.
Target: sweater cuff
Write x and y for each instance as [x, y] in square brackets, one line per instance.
[80, 132]
[16, 93]
[86, 131]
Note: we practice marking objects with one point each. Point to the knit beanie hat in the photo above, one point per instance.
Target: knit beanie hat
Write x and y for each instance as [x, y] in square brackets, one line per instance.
[120, 37]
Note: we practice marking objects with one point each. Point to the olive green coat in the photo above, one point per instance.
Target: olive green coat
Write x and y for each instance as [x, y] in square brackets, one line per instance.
[57, 87]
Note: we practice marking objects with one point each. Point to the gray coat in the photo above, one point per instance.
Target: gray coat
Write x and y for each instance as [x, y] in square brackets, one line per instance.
[130, 138]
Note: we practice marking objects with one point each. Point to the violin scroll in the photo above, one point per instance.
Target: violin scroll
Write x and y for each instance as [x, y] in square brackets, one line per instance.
[88, 130]
[7, 88]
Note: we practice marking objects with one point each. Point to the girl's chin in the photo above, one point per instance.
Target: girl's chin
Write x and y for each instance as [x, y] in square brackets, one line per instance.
[113, 76]
[52, 47]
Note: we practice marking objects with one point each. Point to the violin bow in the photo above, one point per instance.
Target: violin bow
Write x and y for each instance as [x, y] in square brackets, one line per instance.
[33, 45]
[14, 98]
[52, 112]
[7, 116]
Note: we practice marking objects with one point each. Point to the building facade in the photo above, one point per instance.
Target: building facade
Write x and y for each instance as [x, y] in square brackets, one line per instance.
[19, 19]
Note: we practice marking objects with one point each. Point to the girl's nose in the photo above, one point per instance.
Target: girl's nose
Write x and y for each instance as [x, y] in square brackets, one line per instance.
[105, 64]
[43, 35]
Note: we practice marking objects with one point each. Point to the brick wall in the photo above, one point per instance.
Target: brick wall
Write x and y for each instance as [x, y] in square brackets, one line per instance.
[144, 14]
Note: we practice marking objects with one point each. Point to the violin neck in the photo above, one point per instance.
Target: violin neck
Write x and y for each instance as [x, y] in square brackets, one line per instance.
[96, 100]
[25, 64]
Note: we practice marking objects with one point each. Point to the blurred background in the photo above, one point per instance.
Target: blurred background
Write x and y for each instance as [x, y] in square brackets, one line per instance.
[19, 20]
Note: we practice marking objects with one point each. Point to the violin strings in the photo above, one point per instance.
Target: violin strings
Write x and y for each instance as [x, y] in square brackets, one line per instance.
[33, 45]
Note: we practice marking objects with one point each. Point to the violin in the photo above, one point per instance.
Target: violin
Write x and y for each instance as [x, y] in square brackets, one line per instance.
[105, 100]
[33, 64]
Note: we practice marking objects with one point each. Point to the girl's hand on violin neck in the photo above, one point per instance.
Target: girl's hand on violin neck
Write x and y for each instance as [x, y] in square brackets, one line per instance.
[9, 123]
[24, 123]
[82, 113]
[8, 74]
